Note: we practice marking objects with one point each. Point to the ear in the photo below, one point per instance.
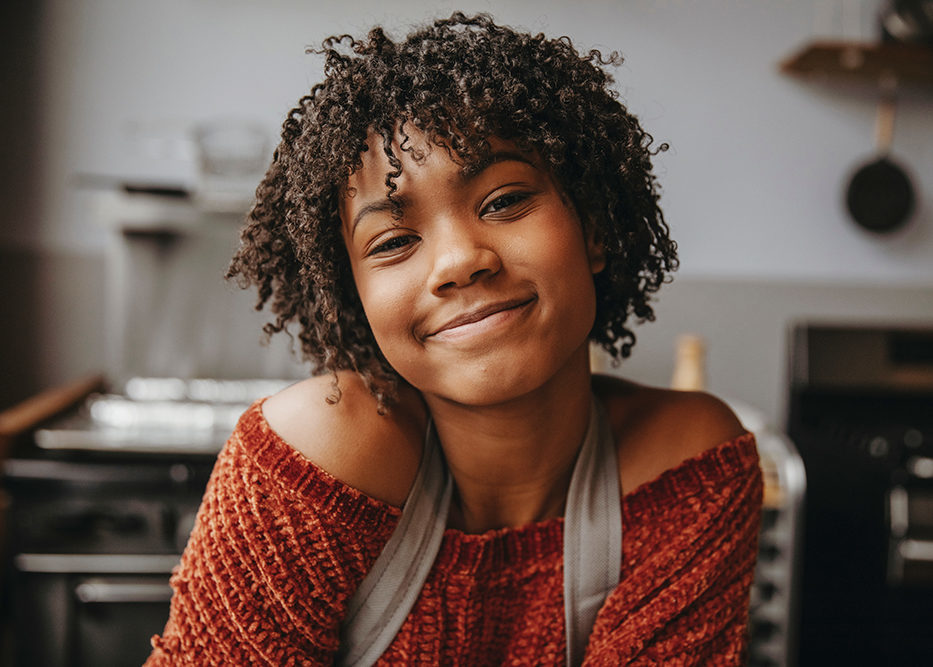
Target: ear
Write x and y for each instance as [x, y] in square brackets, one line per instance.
[595, 250]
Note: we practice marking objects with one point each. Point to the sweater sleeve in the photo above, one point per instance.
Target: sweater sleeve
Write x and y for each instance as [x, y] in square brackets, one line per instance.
[689, 548]
[277, 549]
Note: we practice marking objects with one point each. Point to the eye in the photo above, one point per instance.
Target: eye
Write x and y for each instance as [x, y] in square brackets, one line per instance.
[504, 202]
[392, 245]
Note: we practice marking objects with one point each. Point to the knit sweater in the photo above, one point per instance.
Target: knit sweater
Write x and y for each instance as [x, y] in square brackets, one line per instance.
[280, 546]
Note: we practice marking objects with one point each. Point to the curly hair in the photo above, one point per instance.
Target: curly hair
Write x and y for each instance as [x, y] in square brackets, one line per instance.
[460, 81]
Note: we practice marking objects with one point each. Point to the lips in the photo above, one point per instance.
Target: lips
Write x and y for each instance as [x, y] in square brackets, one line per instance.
[480, 313]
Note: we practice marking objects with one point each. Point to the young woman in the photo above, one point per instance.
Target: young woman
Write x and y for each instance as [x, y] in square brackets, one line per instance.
[448, 224]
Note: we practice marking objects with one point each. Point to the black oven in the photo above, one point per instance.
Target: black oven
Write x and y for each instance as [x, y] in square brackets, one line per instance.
[100, 505]
[92, 540]
[861, 416]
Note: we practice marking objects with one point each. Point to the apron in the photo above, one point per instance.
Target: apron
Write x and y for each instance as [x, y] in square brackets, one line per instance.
[592, 544]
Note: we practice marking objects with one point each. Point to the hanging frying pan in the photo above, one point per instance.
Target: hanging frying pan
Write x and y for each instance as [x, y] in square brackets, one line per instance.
[880, 196]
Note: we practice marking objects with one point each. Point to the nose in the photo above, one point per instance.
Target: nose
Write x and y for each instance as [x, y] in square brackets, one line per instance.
[462, 256]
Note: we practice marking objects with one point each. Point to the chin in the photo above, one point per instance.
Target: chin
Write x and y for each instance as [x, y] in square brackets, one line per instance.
[499, 374]
[492, 384]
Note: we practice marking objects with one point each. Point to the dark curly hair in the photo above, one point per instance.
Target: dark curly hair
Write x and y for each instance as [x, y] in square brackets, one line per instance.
[460, 81]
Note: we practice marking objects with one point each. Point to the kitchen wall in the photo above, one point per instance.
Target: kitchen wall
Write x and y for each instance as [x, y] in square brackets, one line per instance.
[101, 91]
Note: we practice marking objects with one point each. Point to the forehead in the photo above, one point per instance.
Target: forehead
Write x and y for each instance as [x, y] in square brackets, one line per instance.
[413, 149]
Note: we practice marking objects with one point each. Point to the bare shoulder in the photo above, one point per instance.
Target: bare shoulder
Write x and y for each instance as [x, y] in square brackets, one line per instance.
[657, 429]
[376, 454]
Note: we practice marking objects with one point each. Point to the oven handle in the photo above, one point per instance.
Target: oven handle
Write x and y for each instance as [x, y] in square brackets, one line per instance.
[108, 591]
[916, 550]
[96, 563]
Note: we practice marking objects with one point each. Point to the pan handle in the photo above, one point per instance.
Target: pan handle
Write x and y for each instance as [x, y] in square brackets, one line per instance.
[884, 121]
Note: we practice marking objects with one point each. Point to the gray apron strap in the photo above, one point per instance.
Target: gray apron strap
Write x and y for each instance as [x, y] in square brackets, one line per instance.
[385, 597]
[592, 533]
[592, 549]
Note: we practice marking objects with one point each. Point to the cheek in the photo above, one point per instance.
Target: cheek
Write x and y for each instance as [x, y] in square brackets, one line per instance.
[387, 305]
[563, 253]
[574, 267]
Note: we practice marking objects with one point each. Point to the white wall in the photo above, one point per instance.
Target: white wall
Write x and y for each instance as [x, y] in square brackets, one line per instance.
[752, 184]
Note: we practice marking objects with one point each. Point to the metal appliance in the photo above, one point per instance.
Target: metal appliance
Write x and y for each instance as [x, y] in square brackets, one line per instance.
[101, 500]
[861, 415]
[93, 543]
[100, 508]
[775, 594]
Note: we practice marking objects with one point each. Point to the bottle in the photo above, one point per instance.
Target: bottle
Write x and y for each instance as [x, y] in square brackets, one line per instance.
[689, 363]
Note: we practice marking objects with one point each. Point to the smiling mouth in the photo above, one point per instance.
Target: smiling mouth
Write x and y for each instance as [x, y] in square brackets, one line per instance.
[480, 319]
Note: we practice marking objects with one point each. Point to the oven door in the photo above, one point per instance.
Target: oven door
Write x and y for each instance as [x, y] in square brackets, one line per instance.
[86, 610]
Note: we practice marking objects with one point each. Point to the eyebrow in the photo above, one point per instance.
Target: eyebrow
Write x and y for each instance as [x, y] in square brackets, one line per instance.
[471, 171]
[375, 207]
[467, 173]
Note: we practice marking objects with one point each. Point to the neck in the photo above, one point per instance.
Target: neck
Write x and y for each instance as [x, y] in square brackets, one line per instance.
[512, 462]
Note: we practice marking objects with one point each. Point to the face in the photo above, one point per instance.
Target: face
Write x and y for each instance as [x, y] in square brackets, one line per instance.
[483, 291]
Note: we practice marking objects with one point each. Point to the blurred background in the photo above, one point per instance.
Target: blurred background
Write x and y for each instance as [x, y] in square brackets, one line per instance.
[133, 134]
[99, 94]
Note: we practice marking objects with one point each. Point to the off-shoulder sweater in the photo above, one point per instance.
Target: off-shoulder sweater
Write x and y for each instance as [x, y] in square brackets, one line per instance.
[280, 546]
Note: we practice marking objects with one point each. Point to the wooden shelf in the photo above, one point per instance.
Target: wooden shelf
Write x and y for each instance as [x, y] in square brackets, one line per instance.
[866, 62]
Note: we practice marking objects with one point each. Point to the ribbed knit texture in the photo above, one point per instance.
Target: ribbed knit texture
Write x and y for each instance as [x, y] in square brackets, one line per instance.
[280, 545]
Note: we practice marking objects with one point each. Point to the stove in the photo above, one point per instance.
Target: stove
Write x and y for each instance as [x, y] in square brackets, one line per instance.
[100, 506]
[861, 415]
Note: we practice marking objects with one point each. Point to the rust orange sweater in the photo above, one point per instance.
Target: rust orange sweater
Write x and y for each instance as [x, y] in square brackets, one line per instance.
[280, 545]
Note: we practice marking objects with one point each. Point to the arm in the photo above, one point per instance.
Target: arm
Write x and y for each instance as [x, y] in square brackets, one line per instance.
[689, 549]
